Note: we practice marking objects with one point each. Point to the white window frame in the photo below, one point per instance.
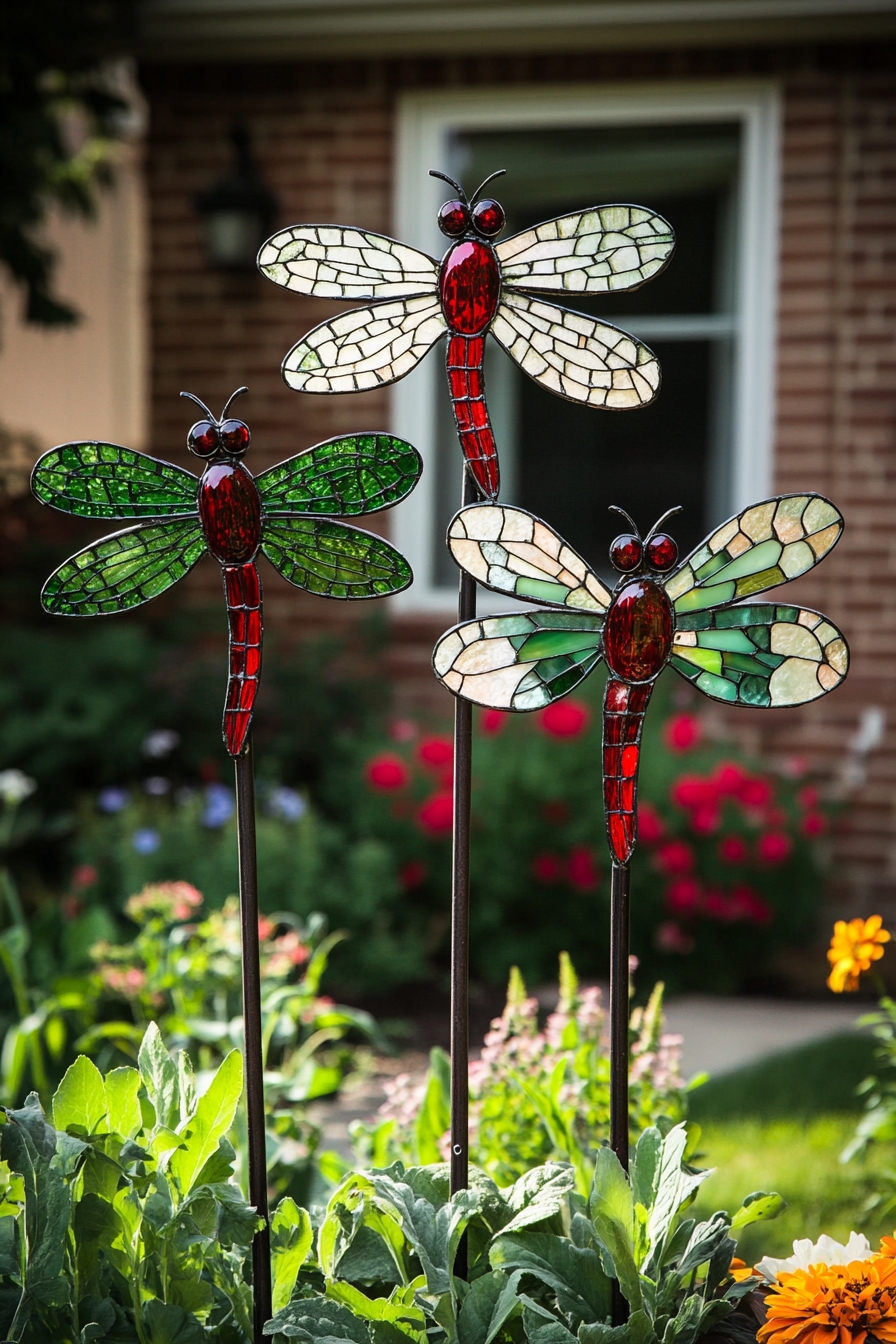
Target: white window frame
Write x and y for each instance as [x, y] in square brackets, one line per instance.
[425, 123]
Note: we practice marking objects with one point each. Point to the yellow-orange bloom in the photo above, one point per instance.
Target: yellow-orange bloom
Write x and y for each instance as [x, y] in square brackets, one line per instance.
[833, 1304]
[853, 948]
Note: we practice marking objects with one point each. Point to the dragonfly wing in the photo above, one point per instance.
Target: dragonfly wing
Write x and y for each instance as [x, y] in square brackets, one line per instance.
[576, 356]
[334, 560]
[333, 262]
[104, 480]
[125, 569]
[760, 654]
[365, 348]
[522, 661]
[767, 544]
[513, 552]
[354, 474]
[595, 251]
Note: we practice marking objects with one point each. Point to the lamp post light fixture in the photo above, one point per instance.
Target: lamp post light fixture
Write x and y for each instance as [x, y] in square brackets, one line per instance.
[237, 211]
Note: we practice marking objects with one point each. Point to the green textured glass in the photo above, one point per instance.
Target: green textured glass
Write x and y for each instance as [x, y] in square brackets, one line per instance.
[124, 570]
[104, 480]
[333, 559]
[347, 476]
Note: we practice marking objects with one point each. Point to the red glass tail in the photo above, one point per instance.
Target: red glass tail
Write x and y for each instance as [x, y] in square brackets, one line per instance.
[242, 590]
[466, 383]
[624, 710]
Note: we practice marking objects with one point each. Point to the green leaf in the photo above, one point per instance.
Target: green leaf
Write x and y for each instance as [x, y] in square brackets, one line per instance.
[675, 1187]
[80, 1100]
[317, 1320]
[488, 1304]
[28, 1144]
[291, 1239]
[757, 1208]
[612, 1212]
[686, 1325]
[398, 1310]
[213, 1117]
[123, 1102]
[159, 1074]
[542, 1328]
[575, 1273]
[167, 1324]
[645, 1167]
[539, 1194]
[705, 1240]
[434, 1116]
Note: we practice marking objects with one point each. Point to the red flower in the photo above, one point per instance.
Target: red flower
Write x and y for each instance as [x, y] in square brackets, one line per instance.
[491, 720]
[436, 751]
[565, 718]
[733, 849]
[71, 906]
[705, 820]
[412, 874]
[691, 791]
[755, 791]
[683, 896]
[808, 797]
[682, 732]
[718, 906]
[386, 772]
[750, 905]
[581, 869]
[670, 938]
[437, 815]
[729, 776]
[774, 847]
[84, 876]
[547, 868]
[776, 817]
[814, 823]
[556, 812]
[650, 824]
[675, 858]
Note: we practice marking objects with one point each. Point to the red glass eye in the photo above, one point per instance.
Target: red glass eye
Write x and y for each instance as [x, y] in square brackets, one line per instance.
[235, 437]
[203, 439]
[488, 218]
[662, 552]
[454, 218]
[626, 552]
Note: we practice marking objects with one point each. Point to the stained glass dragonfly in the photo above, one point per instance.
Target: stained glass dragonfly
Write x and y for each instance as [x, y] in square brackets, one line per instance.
[478, 287]
[659, 614]
[284, 513]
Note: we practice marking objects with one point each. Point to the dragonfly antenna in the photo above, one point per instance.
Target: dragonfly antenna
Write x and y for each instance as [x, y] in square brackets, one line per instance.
[201, 405]
[479, 190]
[614, 508]
[451, 182]
[658, 524]
[233, 396]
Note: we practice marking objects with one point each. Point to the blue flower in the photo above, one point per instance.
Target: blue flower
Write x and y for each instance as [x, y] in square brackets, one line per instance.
[286, 804]
[218, 805]
[146, 840]
[112, 799]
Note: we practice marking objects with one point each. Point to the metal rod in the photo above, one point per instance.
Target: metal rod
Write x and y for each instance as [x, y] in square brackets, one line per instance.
[254, 1068]
[620, 881]
[460, 909]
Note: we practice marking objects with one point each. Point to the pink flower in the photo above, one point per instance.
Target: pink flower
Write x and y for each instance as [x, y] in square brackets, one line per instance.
[565, 718]
[403, 730]
[733, 849]
[683, 896]
[265, 927]
[682, 732]
[436, 751]
[386, 772]
[671, 938]
[808, 797]
[814, 823]
[774, 847]
[755, 791]
[436, 816]
[71, 906]
[674, 858]
[125, 981]
[412, 874]
[650, 824]
[547, 868]
[581, 869]
[84, 876]
[492, 720]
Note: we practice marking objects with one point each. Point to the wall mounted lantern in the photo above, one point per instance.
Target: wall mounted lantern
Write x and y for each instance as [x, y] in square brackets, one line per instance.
[237, 211]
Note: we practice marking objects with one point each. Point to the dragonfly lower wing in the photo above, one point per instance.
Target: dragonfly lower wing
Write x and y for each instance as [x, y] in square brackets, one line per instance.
[333, 559]
[124, 570]
[576, 356]
[519, 662]
[365, 348]
[761, 654]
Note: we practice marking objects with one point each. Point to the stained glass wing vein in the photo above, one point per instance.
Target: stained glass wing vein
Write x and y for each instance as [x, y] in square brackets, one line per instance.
[333, 262]
[334, 560]
[760, 653]
[104, 480]
[355, 474]
[767, 544]
[599, 251]
[124, 570]
[522, 661]
[576, 356]
[364, 348]
[513, 552]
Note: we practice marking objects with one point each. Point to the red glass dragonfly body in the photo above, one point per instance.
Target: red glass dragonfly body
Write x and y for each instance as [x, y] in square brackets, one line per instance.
[480, 287]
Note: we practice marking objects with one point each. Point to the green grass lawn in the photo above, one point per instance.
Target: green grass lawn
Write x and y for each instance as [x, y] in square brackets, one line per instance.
[781, 1124]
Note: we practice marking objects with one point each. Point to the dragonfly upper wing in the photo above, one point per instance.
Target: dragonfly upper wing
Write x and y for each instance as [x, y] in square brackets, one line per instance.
[125, 569]
[354, 474]
[522, 661]
[365, 348]
[333, 559]
[513, 552]
[760, 653]
[576, 356]
[341, 263]
[592, 252]
[104, 480]
[767, 544]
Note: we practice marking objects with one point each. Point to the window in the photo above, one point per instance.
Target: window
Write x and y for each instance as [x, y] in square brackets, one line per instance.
[705, 161]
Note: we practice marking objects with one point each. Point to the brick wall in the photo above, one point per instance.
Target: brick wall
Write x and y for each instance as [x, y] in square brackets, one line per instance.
[323, 139]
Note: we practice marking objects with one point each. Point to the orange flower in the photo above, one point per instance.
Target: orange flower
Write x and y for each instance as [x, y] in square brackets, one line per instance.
[853, 948]
[740, 1271]
[836, 1304]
